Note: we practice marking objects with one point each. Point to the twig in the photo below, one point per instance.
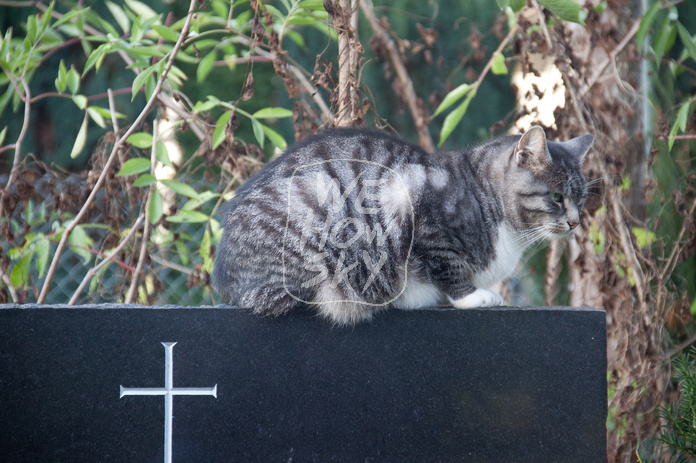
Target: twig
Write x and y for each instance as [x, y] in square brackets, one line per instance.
[409, 94]
[599, 70]
[673, 257]
[18, 143]
[94, 270]
[117, 145]
[146, 229]
[8, 283]
[499, 50]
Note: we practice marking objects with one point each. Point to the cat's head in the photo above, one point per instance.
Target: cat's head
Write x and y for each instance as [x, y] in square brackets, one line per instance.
[544, 184]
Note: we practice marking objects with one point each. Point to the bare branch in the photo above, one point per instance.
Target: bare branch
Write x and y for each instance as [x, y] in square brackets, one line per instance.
[146, 229]
[94, 270]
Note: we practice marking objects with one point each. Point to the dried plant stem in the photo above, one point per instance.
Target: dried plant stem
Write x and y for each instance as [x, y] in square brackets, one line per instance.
[673, 258]
[553, 272]
[409, 94]
[117, 146]
[599, 70]
[18, 144]
[343, 14]
[94, 270]
[146, 229]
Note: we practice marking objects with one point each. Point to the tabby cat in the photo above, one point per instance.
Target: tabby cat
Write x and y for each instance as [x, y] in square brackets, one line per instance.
[354, 221]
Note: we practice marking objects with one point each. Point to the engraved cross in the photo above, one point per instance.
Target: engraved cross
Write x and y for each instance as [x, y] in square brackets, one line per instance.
[168, 391]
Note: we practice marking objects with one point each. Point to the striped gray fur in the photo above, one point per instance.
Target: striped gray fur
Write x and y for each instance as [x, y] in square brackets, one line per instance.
[354, 221]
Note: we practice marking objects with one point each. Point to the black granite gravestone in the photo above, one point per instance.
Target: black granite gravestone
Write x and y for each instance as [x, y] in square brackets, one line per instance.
[136, 384]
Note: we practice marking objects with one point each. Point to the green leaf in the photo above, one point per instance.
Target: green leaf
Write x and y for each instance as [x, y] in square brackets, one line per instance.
[181, 188]
[683, 115]
[81, 138]
[205, 251]
[73, 80]
[145, 180]
[96, 116]
[188, 217]
[276, 138]
[693, 307]
[664, 39]
[205, 66]
[134, 166]
[79, 237]
[453, 96]
[142, 140]
[166, 33]
[62, 79]
[141, 9]
[645, 23]
[207, 105]
[46, 17]
[644, 237]
[220, 127]
[141, 79]
[597, 238]
[258, 132]
[32, 28]
[155, 207]
[202, 198]
[80, 101]
[162, 154]
[567, 10]
[454, 117]
[272, 113]
[3, 135]
[96, 57]
[498, 66]
[41, 248]
[503, 4]
[20, 273]
[687, 41]
[120, 16]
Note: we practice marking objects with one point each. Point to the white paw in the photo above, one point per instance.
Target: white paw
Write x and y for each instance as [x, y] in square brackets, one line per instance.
[479, 298]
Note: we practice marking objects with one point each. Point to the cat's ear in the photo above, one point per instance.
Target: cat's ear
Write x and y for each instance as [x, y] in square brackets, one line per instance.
[579, 146]
[531, 151]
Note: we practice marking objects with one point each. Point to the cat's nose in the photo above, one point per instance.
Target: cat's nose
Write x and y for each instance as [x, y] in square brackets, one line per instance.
[572, 225]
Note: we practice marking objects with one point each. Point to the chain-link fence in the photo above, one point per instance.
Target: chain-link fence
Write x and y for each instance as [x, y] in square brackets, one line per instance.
[41, 206]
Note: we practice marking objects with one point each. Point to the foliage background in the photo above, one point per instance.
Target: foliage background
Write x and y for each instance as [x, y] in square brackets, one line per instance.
[124, 126]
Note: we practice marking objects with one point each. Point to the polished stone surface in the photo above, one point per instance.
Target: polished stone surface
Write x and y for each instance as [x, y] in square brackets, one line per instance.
[440, 385]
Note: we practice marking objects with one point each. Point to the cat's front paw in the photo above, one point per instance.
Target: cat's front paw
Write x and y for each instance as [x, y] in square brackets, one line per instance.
[479, 298]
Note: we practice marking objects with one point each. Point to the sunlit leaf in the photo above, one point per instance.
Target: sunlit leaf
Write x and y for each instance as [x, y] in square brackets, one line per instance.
[140, 140]
[272, 113]
[188, 217]
[453, 96]
[134, 166]
[20, 273]
[181, 188]
[80, 101]
[162, 154]
[81, 242]
[453, 118]
[276, 138]
[156, 207]
[644, 237]
[81, 138]
[687, 40]
[567, 10]
[96, 117]
[145, 180]
[645, 23]
[41, 248]
[166, 33]
[498, 66]
[120, 16]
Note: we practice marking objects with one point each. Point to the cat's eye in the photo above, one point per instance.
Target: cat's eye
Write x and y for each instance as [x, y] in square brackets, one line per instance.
[556, 197]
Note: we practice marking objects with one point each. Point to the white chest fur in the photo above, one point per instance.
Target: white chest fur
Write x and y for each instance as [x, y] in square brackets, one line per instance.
[507, 255]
